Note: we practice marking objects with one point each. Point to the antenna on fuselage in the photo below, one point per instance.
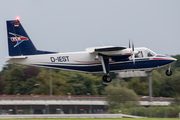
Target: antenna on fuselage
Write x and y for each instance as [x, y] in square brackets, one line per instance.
[110, 43]
[101, 43]
[58, 50]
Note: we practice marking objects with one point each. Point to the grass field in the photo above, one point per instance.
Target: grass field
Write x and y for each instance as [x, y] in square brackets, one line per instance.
[98, 119]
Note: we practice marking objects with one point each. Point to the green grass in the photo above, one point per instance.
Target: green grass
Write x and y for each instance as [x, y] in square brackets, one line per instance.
[98, 119]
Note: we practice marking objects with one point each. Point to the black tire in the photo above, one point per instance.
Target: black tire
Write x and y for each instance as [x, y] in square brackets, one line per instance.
[168, 72]
[107, 78]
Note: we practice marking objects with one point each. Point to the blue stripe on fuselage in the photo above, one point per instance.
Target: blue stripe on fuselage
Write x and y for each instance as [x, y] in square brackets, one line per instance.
[114, 66]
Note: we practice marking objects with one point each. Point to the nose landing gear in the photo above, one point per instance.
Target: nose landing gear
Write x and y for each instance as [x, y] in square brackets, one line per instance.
[107, 78]
[168, 71]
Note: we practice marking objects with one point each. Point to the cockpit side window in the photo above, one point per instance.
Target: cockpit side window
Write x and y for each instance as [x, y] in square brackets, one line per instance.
[139, 54]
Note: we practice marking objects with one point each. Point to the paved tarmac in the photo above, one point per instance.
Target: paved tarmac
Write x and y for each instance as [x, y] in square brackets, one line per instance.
[67, 116]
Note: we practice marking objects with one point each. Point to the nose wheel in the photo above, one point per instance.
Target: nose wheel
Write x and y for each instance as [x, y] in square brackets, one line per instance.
[106, 78]
[168, 72]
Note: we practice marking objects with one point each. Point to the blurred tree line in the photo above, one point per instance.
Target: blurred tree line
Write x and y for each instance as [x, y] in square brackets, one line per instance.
[24, 80]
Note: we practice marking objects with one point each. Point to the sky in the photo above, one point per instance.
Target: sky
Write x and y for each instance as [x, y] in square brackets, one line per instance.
[74, 25]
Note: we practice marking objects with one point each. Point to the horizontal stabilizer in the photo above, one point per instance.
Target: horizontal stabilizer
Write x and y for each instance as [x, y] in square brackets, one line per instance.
[16, 57]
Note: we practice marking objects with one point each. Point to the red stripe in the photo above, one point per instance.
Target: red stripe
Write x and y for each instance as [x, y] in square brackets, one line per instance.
[87, 61]
[162, 59]
[23, 38]
[127, 53]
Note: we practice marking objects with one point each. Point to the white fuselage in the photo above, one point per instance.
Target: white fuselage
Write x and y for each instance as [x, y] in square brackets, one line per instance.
[90, 62]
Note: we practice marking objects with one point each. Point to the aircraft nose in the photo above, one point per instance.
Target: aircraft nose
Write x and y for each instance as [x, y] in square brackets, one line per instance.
[171, 59]
[166, 59]
[174, 59]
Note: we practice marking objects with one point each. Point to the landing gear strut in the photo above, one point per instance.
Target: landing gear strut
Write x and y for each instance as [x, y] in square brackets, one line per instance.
[106, 78]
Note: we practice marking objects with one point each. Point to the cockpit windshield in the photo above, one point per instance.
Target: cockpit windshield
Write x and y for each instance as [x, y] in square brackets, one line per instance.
[143, 53]
[149, 53]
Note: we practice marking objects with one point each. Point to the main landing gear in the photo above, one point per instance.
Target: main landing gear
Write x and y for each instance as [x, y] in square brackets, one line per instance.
[106, 78]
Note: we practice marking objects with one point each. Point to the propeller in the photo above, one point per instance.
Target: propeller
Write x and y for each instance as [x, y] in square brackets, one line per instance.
[132, 52]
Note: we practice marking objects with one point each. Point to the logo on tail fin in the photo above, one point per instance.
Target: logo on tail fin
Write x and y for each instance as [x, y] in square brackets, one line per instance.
[18, 38]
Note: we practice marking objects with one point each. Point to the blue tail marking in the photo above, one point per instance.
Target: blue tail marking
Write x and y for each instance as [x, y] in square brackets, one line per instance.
[19, 42]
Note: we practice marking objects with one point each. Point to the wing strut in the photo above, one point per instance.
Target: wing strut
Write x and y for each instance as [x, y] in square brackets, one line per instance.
[105, 64]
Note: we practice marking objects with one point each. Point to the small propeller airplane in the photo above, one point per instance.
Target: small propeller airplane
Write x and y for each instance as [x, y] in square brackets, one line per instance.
[93, 60]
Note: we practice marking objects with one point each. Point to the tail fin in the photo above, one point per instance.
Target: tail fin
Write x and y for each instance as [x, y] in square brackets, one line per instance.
[19, 42]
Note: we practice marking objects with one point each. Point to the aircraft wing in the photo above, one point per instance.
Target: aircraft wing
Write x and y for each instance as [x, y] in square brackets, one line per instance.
[104, 49]
[109, 52]
[108, 49]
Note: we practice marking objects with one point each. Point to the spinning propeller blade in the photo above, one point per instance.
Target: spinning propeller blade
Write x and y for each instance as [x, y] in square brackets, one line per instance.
[129, 44]
[132, 52]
